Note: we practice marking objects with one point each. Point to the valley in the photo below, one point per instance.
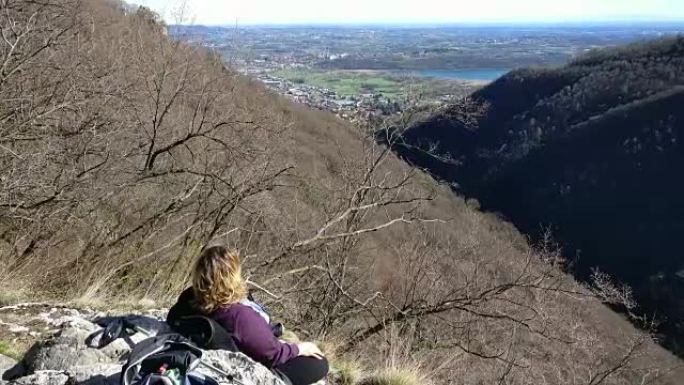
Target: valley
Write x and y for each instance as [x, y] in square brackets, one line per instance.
[407, 253]
[585, 153]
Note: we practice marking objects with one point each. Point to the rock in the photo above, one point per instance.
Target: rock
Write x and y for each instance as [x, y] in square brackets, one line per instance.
[77, 342]
[43, 377]
[68, 348]
[100, 374]
[239, 365]
[6, 363]
[57, 317]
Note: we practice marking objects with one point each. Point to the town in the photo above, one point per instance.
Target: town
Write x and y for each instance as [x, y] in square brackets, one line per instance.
[363, 72]
[350, 107]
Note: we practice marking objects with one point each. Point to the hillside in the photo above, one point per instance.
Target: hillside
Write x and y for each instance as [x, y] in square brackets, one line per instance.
[123, 153]
[589, 151]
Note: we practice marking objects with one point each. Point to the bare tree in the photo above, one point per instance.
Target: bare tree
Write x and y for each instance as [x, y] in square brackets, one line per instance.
[120, 147]
[445, 293]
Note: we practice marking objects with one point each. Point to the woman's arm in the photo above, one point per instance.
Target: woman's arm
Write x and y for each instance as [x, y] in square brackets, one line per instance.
[255, 337]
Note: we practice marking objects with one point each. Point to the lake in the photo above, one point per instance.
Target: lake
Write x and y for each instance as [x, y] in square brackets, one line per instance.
[470, 74]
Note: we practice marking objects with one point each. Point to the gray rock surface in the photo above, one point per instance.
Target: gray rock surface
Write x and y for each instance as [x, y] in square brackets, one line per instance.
[239, 365]
[46, 377]
[68, 348]
[6, 363]
[100, 374]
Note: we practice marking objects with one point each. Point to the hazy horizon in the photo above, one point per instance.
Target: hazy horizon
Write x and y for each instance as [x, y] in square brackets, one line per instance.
[405, 12]
[474, 24]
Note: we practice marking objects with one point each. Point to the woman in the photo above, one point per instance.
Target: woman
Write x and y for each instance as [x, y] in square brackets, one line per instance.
[219, 291]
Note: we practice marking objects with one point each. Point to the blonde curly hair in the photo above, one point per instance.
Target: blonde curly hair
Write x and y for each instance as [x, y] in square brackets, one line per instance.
[217, 279]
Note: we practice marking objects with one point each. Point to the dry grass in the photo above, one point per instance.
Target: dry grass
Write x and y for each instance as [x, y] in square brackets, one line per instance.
[290, 336]
[12, 297]
[345, 372]
[6, 349]
[397, 376]
[344, 369]
[108, 305]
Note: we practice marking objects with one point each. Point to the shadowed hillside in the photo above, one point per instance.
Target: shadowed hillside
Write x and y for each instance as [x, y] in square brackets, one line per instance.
[590, 151]
[123, 154]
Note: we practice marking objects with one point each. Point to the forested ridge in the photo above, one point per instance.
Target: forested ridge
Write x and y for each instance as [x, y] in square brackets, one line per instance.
[589, 151]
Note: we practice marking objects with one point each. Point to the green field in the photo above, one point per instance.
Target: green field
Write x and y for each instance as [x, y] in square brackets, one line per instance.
[346, 83]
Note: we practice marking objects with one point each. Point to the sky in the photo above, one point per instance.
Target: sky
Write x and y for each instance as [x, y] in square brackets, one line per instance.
[246, 12]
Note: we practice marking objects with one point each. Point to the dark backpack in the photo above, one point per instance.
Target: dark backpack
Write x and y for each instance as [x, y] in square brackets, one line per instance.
[205, 333]
[184, 319]
[151, 357]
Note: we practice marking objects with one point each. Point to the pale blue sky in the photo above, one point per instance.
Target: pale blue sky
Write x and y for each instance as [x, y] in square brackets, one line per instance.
[221, 12]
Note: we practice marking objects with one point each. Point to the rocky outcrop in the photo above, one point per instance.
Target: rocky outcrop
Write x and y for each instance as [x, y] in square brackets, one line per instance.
[6, 363]
[72, 355]
[239, 366]
[73, 346]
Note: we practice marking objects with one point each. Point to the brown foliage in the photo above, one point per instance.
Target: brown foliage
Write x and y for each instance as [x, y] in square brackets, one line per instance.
[119, 145]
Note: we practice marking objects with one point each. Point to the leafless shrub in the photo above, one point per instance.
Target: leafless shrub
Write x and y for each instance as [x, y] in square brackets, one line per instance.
[120, 149]
[608, 292]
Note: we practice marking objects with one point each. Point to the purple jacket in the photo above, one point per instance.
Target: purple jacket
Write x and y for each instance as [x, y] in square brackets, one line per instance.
[254, 336]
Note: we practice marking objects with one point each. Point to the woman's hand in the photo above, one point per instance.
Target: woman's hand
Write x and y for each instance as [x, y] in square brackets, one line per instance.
[309, 349]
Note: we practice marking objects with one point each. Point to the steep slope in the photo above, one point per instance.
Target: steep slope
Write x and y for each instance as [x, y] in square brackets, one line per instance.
[122, 154]
[591, 151]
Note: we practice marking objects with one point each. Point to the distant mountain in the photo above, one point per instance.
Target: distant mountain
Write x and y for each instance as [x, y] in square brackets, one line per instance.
[594, 151]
